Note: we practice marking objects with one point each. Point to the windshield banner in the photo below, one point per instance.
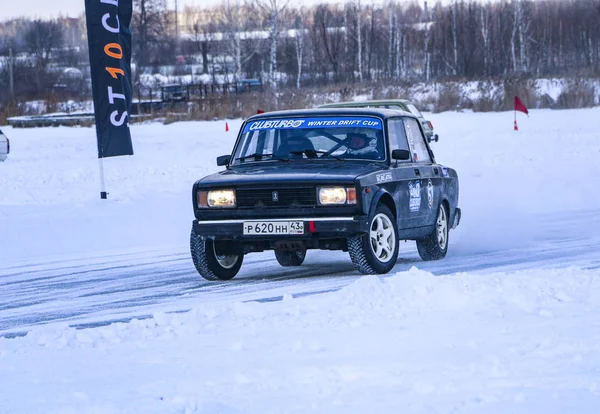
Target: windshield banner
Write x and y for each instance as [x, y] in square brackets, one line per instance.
[320, 122]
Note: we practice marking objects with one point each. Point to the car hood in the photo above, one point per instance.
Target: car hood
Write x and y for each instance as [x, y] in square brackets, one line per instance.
[290, 173]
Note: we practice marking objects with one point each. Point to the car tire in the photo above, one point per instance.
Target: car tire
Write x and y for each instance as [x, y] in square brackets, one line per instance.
[377, 251]
[435, 245]
[209, 264]
[288, 258]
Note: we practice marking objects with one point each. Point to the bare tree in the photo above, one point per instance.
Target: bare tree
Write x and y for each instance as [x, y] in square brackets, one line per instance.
[273, 10]
[346, 11]
[391, 27]
[299, 28]
[203, 39]
[400, 50]
[42, 38]
[427, 54]
[455, 36]
[523, 28]
[328, 35]
[485, 36]
[239, 42]
[149, 24]
[359, 40]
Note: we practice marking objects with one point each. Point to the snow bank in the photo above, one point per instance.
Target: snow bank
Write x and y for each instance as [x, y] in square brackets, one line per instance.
[523, 342]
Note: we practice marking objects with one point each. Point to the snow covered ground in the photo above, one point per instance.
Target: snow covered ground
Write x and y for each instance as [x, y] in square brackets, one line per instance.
[508, 322]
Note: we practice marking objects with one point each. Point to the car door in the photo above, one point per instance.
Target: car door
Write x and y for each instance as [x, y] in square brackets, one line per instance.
[425, 169]
[409, 192]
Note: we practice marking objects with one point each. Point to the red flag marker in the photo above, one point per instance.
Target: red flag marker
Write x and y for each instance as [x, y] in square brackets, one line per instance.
[226, 127]
[519, 106]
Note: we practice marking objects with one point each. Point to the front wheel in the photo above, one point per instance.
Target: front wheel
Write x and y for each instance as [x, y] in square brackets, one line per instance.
[435, 246]
[212, 260]
[377, 251]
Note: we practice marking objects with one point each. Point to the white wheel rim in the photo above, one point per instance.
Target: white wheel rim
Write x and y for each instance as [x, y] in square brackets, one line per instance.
[382, 238]
[442, 228]
[227, 261]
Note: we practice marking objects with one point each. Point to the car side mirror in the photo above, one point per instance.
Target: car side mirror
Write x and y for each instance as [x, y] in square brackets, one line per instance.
[401, 154]
[223, 160]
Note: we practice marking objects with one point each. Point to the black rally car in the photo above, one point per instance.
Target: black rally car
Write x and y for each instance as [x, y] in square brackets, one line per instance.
[357, 180]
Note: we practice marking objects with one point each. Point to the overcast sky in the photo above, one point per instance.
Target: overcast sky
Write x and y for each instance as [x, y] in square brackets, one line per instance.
[52, 8]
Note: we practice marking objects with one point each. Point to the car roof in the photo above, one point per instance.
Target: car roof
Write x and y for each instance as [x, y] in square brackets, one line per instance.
[370, 102]
[380, 112]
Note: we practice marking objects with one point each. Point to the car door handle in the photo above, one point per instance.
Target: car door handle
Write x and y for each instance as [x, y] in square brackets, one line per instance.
[417, 171]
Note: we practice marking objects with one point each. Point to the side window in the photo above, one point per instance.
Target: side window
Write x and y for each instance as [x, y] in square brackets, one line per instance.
[416, 142]
[397, 135]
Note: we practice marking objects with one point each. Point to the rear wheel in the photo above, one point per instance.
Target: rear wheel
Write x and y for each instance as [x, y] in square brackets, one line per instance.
[290, 258]
[435, 246]
[377, 251]
[212, 259]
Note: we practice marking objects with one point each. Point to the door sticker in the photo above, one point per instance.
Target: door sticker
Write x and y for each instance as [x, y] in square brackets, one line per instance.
[382, 178]
[414, 190]
[430, 194]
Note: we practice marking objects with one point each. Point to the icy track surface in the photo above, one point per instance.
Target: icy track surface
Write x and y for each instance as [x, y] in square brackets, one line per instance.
[508, 322]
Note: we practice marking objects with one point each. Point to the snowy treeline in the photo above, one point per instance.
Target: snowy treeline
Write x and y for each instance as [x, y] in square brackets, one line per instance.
[286, 45]
[405, 41]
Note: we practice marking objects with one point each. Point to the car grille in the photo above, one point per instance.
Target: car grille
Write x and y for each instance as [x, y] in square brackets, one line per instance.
[285, 197]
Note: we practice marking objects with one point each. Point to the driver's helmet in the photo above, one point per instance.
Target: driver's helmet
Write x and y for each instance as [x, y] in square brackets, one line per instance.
[361, 144]
[357, 141]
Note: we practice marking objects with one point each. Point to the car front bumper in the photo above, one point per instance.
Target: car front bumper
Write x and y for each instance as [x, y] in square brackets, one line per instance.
[319, 227]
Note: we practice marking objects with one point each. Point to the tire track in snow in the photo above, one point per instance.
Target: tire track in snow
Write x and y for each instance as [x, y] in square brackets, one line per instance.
[108, 288]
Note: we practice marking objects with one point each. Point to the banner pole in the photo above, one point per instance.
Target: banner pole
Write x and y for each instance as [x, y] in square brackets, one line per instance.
[102, 188]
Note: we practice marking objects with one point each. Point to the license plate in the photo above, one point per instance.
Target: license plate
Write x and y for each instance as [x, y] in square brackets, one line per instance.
[273, 227]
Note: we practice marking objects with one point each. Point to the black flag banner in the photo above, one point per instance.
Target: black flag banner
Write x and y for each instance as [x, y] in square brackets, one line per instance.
[109, 40]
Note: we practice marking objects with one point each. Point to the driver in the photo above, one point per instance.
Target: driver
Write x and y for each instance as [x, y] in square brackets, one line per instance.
[361, 145]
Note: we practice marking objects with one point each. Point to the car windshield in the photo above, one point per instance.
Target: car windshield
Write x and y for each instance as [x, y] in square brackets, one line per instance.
[318, 138]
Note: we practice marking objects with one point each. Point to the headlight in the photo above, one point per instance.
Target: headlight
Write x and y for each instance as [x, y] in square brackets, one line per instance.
[337, 195]
[216, 198]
